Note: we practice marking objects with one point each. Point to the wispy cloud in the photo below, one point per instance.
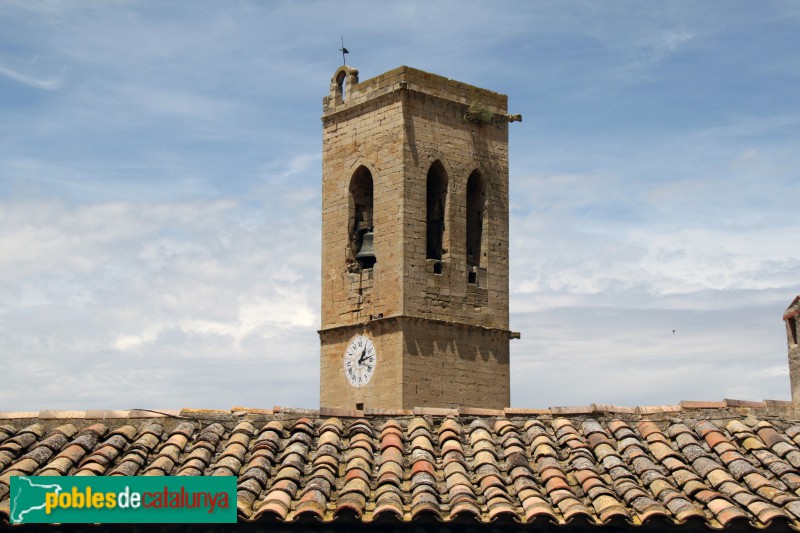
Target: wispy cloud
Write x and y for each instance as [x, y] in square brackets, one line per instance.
[46, 84]
[259, 317]
[657, 48]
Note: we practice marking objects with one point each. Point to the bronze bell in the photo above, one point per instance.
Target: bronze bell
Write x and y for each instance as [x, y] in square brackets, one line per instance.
[366, 253]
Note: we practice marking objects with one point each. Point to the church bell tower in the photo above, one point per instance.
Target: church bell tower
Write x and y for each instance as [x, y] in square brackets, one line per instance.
[414, 243]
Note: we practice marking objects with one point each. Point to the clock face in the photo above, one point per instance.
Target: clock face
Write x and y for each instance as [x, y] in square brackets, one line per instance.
[360, 359]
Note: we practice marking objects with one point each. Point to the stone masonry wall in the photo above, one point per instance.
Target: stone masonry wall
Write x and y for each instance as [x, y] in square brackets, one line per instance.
[384, 390]
[441, 340]
[436, 130]
[421, 363]
[372, 138]
[447, 366]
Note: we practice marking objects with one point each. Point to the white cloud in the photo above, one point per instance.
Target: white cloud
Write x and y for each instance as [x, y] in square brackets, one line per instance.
[43, 236]
[256, 316]
[117, 287]
[47, 84]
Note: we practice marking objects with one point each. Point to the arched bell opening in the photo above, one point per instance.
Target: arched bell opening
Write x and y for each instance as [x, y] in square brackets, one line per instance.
[342, 83]
[341, 86]
[361, 249]
[476, 226]
[435, 212]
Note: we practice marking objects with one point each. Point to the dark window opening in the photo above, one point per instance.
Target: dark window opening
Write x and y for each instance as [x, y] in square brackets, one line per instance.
[793, 328]
[437, 267]
[435, 211]
[476, 214]
[359, 407]
[472, 278]
[341, 82]
[361, 222]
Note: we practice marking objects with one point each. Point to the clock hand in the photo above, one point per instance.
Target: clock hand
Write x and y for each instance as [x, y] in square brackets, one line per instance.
[363, 355]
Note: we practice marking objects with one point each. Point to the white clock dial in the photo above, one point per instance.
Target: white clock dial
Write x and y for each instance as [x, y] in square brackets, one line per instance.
[360, 359]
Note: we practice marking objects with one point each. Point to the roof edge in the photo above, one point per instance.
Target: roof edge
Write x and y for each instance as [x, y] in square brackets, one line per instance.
[238, 412]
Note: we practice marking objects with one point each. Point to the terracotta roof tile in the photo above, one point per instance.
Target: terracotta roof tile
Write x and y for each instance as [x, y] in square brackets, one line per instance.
[578, 466]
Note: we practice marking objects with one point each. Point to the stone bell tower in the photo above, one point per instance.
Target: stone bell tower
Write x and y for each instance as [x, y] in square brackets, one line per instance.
[414, 243]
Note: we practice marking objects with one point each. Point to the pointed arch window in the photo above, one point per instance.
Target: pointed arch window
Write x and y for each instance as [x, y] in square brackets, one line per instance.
[476, 223]
[436, 200]
[361, 220]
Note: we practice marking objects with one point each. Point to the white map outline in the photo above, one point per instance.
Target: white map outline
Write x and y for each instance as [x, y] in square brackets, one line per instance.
[13, 507]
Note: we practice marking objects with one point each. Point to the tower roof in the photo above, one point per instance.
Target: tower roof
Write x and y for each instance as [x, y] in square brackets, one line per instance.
[406, 78]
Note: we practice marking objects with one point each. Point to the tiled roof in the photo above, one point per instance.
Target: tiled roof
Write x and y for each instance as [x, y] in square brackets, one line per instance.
[716, 463]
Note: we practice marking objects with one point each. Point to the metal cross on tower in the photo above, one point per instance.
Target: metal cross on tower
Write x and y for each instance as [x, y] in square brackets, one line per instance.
[344, 51]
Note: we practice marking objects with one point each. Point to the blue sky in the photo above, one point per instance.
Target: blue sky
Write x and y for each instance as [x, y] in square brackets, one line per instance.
[160, 193]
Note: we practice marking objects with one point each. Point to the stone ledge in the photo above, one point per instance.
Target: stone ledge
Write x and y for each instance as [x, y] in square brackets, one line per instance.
[743, 403]
[516, 411]
[656, 409]
[388, 412]
[604, 408]
[278, 412]
[435, 411]
[50, 414]
[782, 404]
[10, 415]
[579, 410]
[476, 411]
[239, 410]
[340, 412]
[702, 405]
[296, 411]
[159, 413]
[107, 413]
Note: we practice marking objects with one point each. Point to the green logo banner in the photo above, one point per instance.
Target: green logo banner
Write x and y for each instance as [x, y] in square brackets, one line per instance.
[122, 499]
